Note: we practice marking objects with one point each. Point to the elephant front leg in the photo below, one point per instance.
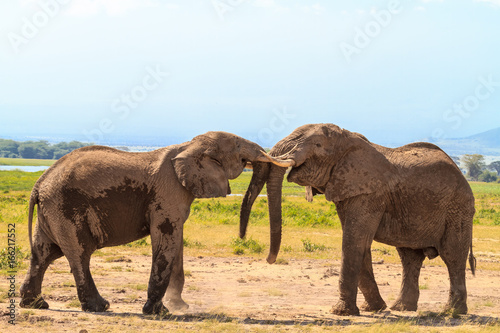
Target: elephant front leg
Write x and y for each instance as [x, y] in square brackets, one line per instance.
[360, 218]
[165, 248]
[412, 263]
[176, 284]
[368, 286]
[348, 283]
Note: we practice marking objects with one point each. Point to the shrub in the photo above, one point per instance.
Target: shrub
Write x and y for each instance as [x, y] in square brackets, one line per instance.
[311, 247]
[6, 259]
[239, 245]
[189, 243]
[488, 177]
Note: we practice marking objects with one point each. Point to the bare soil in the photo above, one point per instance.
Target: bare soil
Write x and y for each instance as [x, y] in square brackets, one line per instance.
[251, 293]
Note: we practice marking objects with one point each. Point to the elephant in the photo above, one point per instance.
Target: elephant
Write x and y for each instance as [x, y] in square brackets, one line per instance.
[412, 197]
[97, 197]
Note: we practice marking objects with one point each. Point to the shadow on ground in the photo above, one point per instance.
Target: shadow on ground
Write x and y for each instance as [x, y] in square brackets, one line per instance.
[428, 319]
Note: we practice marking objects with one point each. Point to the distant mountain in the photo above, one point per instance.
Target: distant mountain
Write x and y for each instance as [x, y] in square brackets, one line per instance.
[486, 143]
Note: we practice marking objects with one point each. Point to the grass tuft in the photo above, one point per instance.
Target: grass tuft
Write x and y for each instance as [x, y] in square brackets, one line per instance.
[311, 247]
[240, 245]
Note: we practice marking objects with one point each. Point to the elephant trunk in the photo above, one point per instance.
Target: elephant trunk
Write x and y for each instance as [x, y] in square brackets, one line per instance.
[268, 168]
[274, 185]
[259, 178]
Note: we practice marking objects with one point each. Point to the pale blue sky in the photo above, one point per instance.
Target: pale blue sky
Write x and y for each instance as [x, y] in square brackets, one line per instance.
[396, 71]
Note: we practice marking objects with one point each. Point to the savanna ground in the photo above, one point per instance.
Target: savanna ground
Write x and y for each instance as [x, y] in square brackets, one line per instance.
[231, 288]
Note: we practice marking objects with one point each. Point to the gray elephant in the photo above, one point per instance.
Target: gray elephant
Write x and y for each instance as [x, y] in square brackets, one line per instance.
[97, 197]
[413, 197]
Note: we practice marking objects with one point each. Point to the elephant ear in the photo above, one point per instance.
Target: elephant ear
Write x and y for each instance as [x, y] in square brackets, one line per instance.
[360, 171]
[201, 174]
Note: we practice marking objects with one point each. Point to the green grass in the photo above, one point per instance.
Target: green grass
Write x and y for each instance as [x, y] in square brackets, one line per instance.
[17, 180]
[487, 197]
[310, 230]
[240, 184]
[485, 188]
[25, 162]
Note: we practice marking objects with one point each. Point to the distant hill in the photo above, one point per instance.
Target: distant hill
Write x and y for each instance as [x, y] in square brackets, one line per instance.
[486, 143]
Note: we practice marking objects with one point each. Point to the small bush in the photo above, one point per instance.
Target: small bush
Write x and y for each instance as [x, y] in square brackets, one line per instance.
[311, 247]
[189, 243]
[281, 261]
[488, 177]
[74, 304]
[10, 260]
[239, 245]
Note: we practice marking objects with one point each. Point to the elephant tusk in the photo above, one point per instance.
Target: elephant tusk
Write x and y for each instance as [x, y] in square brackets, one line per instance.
[279, 162]
[285, 155]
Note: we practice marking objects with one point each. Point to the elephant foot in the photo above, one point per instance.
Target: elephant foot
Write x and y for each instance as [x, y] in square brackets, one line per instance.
[399, 305]
[344, 309]
[177, 305]
[151, 308]
[97, 305]
[374, 307]
[33, 303]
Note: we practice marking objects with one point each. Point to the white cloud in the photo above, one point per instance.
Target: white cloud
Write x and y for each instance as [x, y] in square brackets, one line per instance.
[270, 4]
[315, 8]
[265, 3]
[419, 8]
[493, 2]
[111, 7]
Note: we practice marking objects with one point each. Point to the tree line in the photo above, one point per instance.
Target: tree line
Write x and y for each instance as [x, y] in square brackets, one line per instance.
[477, 169]
[474, 165]
[37, 149]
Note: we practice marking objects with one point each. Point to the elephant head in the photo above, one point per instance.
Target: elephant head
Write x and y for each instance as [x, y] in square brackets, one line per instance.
[206, 163]
[324, 158]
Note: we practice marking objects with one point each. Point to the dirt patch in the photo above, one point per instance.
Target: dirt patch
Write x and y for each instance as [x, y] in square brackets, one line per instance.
[252, 292]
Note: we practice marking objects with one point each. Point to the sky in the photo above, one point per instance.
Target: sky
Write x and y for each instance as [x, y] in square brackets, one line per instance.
[162, 72]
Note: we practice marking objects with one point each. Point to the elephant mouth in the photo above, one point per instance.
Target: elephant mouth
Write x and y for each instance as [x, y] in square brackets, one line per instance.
[296, 175]
[309, 174]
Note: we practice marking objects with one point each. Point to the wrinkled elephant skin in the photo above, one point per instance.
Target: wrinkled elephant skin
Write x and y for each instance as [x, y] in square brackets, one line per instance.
[413, 197]
[98, 196]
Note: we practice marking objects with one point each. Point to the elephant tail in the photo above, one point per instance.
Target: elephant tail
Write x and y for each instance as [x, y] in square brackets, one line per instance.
[472, 262]
[33, 202]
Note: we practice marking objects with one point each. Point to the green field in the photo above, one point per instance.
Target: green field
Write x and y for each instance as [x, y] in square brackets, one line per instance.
[25, 162]
[304, 223]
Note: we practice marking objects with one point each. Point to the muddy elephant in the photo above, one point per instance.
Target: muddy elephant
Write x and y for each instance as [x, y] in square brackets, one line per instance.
[412, 197]
[98, 196]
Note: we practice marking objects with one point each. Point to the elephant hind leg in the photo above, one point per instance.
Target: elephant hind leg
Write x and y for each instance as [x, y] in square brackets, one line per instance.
[90, 299]
[43, 253]
[412, 263]
[456, 261]
[78, 253]
[368, 286]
